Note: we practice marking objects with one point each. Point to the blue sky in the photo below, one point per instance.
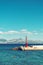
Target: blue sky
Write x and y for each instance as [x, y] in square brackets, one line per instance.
[19, 18]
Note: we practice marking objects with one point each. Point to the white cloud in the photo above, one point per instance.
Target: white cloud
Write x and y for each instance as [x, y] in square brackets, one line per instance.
[30, 33]
[1, 32]
[23, 31]
[36, 33]
[11, 32]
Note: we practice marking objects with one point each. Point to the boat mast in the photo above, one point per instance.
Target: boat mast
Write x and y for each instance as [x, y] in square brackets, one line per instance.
[26, 42]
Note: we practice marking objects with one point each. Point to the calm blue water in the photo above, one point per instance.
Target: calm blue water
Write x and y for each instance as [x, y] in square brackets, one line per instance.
[11, 57]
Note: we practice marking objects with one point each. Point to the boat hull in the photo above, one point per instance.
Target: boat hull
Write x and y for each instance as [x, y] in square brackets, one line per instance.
[32, 48]
[29, 48]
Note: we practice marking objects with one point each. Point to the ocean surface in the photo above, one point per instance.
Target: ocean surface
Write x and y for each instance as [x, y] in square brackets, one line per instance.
[11, 57]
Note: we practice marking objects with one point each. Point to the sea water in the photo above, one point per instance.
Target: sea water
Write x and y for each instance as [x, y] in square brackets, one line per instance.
[11, 57]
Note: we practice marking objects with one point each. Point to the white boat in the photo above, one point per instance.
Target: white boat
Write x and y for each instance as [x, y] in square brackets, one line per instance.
[40, 47]
[27, 47]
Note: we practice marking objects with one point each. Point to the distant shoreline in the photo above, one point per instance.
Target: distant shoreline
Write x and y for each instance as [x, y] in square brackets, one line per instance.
[20, 44]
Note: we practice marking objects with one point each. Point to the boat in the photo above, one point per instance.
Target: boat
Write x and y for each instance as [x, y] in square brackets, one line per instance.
[27, 47]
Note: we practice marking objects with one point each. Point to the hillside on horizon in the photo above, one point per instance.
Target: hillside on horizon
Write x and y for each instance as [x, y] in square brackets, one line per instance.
[12, 41]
